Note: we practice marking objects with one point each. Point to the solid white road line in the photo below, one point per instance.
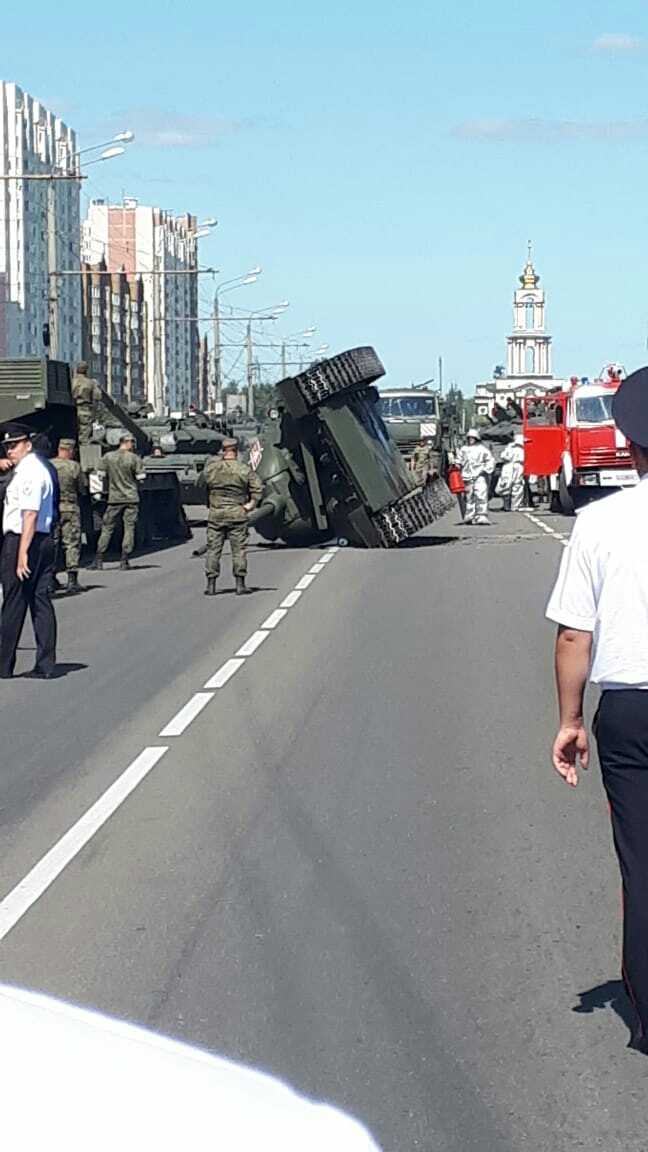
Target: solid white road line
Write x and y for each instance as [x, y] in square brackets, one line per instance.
[183, 718]
[225, 673]
[291, 600]
[304, 583]
[251, 645]
[275, 618]
[42, 875]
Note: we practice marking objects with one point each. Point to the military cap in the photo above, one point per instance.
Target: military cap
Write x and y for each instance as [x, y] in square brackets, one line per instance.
[229, 443]
[126, 437]
[630, 407]
[82, 366]
[67, 443]
[14, 433]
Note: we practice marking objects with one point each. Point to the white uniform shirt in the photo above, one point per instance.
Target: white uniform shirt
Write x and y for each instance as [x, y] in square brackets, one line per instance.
[76, 1080]
[29, 490]
[602, 586]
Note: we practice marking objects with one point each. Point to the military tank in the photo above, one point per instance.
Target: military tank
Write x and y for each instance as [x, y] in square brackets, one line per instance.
[329, 466]
[37, 393]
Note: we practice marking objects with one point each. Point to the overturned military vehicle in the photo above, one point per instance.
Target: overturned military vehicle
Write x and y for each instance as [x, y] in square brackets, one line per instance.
[329, 467]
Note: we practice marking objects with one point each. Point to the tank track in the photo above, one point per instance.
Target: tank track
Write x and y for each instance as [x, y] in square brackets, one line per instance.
[357, 366]
[413, 512]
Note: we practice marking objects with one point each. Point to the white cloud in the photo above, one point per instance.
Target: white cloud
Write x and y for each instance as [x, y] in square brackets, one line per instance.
[619, 44]
[156, 128]
[508, 131]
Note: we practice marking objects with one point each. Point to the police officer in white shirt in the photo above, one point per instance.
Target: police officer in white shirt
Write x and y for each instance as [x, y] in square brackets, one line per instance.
[27, 559]
[600, 604]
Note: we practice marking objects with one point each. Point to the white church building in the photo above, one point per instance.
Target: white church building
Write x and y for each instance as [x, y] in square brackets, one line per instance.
[528, 355]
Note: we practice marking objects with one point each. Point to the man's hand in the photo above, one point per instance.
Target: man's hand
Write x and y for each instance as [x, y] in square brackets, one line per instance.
[5, 465]
[250, 506]
[571, 743]
[23, 570]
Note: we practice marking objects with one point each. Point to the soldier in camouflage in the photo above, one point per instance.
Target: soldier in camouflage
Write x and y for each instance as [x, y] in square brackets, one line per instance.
[72, 485]
[125, 472]
[421, 462]
[233, 489]
[86, 394]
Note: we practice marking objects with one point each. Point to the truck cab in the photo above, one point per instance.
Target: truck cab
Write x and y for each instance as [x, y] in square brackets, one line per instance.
[572, 442]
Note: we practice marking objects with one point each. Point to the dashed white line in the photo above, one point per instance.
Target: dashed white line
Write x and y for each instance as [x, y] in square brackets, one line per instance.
[304, 583]
[183, 718]
[44, 873]
[316, 569]
[327, 557]
[251, 645]
[224, 673]
[291, 600]
[275, 618]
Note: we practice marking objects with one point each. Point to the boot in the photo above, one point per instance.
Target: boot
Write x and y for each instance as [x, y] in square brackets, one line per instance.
[241, 590]
[123, 564]
[97, 564]
[210, 590]
[73, 583]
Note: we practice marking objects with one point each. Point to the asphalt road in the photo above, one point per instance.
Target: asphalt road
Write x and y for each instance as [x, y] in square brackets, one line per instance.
[354, 867]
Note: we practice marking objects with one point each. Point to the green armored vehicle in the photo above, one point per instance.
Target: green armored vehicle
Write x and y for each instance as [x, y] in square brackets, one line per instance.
[329, 466]
[37, 393]
[412, 415]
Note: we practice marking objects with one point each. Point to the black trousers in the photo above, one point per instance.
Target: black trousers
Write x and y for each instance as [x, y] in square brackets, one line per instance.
[621, 730]
[33, 594]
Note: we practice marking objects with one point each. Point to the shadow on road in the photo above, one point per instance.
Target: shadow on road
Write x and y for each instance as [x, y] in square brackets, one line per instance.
[251, 588]
[612, 995]
[426, 542]
[60, 671]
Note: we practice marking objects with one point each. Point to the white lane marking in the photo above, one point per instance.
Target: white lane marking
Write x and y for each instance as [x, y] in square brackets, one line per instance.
[225, 673]
[275, 618]
[183, 718]
[251, 645]
[291, 600]
[327, 557]
[304, 583]
[545, 527]
[316, 569]
[44, 873]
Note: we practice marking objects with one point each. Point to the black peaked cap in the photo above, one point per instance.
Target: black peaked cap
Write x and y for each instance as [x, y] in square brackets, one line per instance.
[630, 407]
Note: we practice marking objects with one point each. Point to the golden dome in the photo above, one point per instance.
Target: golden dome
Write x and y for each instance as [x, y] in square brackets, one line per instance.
[529, 278]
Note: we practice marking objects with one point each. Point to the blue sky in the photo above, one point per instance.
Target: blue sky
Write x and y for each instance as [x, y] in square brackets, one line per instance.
[385, 163]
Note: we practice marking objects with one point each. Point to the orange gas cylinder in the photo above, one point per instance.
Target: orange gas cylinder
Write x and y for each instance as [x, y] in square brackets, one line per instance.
[456, 481]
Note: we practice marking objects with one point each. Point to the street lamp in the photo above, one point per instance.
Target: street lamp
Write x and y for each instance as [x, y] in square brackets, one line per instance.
[306, 335]
[227, 286]
[271, 314]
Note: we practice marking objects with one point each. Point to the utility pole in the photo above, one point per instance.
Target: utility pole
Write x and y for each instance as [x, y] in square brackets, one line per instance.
[440, 375]
[283, 361]
[52, 279]
[218, 370]
[250, 371]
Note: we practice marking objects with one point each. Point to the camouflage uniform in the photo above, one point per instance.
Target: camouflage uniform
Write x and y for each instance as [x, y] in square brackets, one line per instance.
[86, 393]
[72, 485]
[124, 470]
[230, 484]
[421, 463]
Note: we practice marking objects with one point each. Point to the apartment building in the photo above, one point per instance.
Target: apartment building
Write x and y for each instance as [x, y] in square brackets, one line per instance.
[114, 331]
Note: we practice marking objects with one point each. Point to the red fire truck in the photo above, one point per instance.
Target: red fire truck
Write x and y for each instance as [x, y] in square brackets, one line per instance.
[572, 445]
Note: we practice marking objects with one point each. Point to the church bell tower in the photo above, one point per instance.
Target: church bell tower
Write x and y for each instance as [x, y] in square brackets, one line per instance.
[529, 348]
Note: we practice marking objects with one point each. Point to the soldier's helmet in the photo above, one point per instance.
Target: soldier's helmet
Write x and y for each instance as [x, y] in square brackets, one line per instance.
[82, 367]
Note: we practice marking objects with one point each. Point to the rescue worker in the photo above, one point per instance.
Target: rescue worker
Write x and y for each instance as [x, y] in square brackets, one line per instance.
[511, 482]
[477, 465]
[86, 394]
[421, 462]
[600, 605]
[125, 472]
[233, 490]
[72, 485]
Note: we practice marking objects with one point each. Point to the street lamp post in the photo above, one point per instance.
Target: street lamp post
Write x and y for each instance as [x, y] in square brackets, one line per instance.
[227, 286]
[250, 362]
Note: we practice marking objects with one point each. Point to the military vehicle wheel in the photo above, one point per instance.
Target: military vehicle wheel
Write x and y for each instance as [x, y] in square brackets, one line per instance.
[319, 383]
[413, 512]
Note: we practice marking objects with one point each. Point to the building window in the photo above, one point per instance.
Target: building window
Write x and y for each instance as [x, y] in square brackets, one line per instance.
[529, 360]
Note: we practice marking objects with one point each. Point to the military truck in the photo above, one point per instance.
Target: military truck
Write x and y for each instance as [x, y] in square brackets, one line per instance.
[37, 393]
[412, 415]
[328, 464]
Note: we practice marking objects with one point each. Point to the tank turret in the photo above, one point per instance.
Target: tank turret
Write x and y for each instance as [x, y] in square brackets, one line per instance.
[328, 464]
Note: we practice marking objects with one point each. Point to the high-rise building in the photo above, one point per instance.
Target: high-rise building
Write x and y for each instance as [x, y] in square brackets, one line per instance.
[161, 249]
[39, 230]
[114, 331]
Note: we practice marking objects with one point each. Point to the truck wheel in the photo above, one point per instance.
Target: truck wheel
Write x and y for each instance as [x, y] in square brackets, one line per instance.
[566, 501]
[413, 512]
[358, 366]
